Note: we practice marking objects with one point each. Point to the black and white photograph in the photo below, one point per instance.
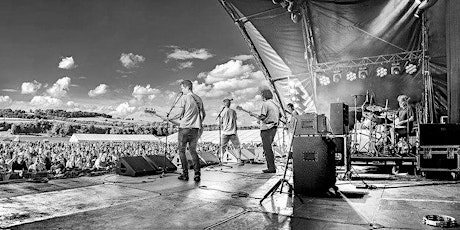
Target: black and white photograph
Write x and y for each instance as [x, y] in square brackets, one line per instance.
[229, 114]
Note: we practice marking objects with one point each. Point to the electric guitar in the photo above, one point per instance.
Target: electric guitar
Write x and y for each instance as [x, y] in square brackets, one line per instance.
[254, 115]
[152, 111]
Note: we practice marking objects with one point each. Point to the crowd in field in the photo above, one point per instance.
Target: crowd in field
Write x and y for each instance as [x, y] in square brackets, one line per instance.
[63, 159]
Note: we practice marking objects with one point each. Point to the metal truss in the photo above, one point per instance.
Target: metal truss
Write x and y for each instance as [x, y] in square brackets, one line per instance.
[376, 60]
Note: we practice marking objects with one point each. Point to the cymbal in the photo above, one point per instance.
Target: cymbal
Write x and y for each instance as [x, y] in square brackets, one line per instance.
[374, 108]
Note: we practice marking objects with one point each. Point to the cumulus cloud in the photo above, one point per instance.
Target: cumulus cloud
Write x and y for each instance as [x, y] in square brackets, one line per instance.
[99, 90]
[230, 79]
[46, 102]
[60, 88]
[123, 109]
[30, 87]
[181, 54]
[231, 69]
[243, 57]
[139, 92]
[184, 65]
[5, 99]
[67, 63]
[131, 60]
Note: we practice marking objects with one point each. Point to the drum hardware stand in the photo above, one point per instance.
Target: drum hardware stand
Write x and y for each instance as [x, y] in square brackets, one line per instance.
[283, 180]
[354, 143]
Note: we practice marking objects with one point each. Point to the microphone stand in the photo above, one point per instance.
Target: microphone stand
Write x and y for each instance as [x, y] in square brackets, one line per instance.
[221, 153]
[167, 133]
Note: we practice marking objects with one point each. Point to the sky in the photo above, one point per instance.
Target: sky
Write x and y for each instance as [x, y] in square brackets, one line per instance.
[121, 57]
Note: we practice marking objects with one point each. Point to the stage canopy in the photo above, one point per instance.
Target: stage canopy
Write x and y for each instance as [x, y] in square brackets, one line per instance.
[340, 48]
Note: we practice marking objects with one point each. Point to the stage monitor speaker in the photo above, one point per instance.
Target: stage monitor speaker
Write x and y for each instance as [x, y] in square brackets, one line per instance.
[135, 166]
[314, 165]
[311, 124]
[439, 134]
[160, 162]
[205, 158]
[339, 118]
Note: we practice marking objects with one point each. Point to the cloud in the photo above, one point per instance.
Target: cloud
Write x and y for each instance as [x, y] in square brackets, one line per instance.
[30, 87]
[9, 90]
[231, 69]
[46, 102]
[139, 92]
[233, 79]
[99, 90]
[180, 54]
[60, 88]
[124, 72]
[184, 65]
[131, 60]
[243, 57]
[67, 63]
[123, 109]
[5, 99]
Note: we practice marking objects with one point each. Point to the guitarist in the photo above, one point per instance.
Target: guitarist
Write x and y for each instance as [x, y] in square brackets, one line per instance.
[270, 117]
[191, 114]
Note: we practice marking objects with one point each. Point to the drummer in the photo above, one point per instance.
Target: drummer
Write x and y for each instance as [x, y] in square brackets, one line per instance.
[403, 123]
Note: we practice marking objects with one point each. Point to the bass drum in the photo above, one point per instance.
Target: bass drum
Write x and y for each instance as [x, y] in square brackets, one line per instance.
[363, 139]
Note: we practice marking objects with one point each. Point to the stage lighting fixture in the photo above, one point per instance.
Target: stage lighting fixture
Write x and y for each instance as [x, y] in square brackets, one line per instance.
[351, 76]
[324, 80]
[381, 71]
[411, 68]
[336, 76]
[395, 69]
[362, 73]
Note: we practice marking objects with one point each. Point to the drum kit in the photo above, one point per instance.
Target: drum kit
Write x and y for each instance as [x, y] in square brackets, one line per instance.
[371, 135]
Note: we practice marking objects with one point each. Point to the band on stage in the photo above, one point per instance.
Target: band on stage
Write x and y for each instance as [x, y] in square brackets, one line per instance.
[376, 129]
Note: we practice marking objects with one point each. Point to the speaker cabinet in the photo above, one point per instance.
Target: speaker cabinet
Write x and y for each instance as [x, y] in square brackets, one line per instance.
[339, 118]
[160, 162]
[310, 124]
[439, 134]
[135, 166]
[314, 165]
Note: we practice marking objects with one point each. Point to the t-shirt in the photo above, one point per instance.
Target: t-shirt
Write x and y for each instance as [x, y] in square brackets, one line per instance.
[190, 117]
[272, 114]
[228, 117]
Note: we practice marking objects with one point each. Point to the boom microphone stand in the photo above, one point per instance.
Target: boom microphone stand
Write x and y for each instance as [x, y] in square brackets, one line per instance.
[167, 130]
[283, 180]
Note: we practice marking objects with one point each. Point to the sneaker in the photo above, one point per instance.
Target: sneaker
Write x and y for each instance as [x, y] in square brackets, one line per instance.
[183, 177]
[197, 178]
[268, 171]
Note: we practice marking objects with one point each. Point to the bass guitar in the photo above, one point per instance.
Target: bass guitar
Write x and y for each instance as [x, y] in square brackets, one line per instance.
[254, 115]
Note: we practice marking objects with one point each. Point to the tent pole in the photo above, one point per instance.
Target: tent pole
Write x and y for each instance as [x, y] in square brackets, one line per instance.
[428, 84]
[254, 52]
[309, 43]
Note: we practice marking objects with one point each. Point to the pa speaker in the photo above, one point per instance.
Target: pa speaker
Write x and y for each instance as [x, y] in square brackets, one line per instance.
[135, 166]
[314, 165]
[339, 118]
[160, 162]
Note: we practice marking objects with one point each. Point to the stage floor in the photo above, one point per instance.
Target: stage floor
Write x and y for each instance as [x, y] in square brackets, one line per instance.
[150, 202]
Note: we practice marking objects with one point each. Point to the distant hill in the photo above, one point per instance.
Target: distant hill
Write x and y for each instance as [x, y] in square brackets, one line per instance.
[49, 114]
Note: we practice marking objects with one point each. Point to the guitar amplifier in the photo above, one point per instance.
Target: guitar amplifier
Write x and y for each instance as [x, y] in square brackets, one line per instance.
[311, 124]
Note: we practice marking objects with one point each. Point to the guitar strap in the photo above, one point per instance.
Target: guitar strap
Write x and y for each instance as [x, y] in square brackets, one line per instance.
[199, 110]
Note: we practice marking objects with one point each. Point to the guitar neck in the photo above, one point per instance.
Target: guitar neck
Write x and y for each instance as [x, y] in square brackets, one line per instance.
[162, 117]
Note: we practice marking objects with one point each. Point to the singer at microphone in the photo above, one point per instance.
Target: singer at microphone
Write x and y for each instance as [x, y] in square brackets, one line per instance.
[229, 129]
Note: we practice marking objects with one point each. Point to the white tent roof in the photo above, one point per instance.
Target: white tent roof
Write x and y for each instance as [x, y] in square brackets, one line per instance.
[77, 137]
[251, 136]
